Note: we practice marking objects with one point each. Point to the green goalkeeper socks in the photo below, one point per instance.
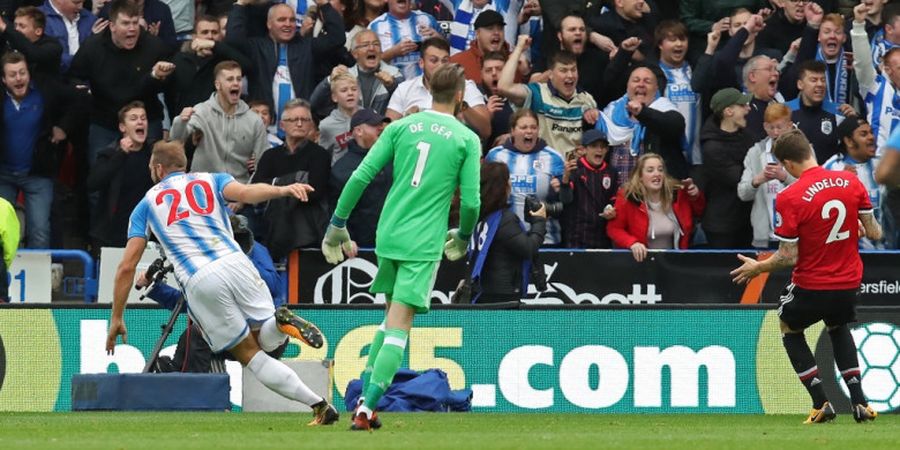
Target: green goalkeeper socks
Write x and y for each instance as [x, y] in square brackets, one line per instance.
[386, 365]
[374, 347]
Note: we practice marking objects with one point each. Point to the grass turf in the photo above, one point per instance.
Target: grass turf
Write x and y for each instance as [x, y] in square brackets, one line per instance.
[425, 431]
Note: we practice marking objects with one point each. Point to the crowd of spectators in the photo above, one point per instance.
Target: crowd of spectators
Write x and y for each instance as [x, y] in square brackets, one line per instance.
[638, 124]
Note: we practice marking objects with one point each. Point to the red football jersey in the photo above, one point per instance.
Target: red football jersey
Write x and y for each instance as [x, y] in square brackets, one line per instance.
[820, 212]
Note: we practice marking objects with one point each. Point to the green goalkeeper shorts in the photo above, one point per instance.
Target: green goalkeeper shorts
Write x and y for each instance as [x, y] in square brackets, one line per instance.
[407, 282]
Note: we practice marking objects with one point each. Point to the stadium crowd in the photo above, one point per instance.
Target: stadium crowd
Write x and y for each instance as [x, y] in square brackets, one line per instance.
[570, 95]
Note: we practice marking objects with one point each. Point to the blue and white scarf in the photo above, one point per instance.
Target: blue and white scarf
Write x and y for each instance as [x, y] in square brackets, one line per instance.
[835, 90]
[462, 28]
[620, 128]
[880, 45]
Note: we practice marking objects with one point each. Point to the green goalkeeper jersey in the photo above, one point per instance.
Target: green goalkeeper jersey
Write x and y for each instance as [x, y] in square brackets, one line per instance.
[433, 154]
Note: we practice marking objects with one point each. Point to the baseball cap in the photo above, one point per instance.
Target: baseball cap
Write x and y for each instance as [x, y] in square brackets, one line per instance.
[489, 18]
[593, 135]
[728, 97]
[367, 116]
[848, 126]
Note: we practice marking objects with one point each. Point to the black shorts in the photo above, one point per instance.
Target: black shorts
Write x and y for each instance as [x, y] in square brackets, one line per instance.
[801, 308]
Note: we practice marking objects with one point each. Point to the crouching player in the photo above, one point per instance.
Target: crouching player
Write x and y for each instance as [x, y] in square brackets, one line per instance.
[818, 220]
[433, 153]
[228, 299]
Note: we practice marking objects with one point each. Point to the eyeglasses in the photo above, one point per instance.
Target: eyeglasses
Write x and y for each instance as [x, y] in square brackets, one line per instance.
[367, 45]
[294, 120]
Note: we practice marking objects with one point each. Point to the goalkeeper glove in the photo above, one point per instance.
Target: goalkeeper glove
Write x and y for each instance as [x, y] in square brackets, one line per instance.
[456, 245]
[337, 243]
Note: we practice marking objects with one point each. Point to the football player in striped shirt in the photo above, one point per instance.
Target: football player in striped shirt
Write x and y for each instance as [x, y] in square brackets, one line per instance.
[188, 213]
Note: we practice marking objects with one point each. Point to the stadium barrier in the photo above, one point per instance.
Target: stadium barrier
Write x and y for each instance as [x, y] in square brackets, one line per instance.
[595, 277]
[606, 359]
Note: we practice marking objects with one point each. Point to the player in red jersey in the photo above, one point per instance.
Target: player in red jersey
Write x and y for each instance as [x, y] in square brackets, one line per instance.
[818, 220]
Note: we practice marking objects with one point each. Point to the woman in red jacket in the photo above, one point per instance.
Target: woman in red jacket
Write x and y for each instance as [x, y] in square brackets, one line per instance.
[653, 210]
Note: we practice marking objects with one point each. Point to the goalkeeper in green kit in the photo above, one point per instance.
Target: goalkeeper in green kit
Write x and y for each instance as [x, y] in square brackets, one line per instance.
[433, 154]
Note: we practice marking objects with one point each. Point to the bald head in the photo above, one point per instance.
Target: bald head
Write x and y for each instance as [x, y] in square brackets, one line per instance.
[281, 23]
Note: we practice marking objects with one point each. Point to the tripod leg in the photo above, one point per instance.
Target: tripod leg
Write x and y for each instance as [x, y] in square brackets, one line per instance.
[167, 330]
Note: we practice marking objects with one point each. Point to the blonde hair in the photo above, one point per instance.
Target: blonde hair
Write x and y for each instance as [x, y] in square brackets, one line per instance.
[342, 78]
[170, 155]
[634, 188]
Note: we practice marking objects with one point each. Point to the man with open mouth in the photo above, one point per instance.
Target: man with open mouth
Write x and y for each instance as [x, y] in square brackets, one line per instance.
[813, 114]
[414, 95]
[227, 134]
[284, 61]
[377, 79]
[857, 155]
[36, 117]
[121, 177]
[824, 40]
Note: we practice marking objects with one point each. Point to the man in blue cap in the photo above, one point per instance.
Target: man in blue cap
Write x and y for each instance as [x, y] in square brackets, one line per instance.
[587, 192]
[366, 126]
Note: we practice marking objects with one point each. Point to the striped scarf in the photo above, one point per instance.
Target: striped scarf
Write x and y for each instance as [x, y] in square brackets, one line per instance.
[462, 28]
[835, 90]
[620, 128]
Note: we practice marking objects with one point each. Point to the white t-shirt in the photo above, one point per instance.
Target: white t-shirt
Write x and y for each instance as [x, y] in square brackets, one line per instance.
[414, 93]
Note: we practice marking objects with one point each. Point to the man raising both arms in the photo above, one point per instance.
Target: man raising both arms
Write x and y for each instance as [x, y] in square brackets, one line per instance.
[226, 295]
[818, 220]
[433, 154]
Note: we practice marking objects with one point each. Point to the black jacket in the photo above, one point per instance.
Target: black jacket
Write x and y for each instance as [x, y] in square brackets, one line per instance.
[588, 192]
[117, 76]
[363, 220]
[723, 164]
[194, 79]
[60, 109]
[122, 179]
[779, 33]
[819, 124]
[617, 28]
[44, 56]
[663, 136]
[302, 53]
[501, 276]
[290, 223]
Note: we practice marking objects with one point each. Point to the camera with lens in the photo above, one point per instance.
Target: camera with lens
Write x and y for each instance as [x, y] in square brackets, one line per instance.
[532, 204]
[155, 267]
[537, 274]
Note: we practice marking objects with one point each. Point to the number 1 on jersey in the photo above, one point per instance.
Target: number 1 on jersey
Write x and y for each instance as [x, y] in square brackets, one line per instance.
[423, 148]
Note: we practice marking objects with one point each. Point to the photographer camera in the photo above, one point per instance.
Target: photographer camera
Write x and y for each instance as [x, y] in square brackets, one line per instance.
[503, 249]
[192, 354]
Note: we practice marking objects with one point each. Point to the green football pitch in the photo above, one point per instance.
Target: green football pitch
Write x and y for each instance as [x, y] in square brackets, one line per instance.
[440, 431]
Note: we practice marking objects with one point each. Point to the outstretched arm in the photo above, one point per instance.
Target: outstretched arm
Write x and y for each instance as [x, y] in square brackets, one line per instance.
[785, 257]
[259, 192]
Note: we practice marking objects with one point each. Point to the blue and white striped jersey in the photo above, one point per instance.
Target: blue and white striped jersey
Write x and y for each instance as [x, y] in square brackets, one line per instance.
[883, 110]
[391, 31]
[188, 214]
[865, 171]
[301, 7]
[530, 174]
[679, 92]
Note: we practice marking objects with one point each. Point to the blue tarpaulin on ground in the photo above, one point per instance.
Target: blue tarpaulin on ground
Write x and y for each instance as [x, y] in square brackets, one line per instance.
[413, 391]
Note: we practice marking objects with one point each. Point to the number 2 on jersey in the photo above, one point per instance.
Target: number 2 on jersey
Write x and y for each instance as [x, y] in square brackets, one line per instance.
[174, 214]
[836, 234]
[423, 148]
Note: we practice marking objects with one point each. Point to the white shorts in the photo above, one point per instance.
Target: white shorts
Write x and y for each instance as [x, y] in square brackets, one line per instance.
[227, 298]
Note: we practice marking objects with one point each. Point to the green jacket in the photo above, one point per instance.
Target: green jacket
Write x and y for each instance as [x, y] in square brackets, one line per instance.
[9, 231]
